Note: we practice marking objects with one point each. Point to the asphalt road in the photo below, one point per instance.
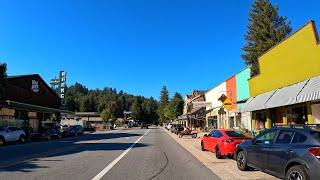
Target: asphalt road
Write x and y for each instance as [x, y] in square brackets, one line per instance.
[123, 154]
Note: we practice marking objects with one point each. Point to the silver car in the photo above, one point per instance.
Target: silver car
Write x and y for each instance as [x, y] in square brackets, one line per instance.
[10, 134]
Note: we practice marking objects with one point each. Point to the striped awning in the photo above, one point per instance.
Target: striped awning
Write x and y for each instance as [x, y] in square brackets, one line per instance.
[285, 96]
[311, 91]
[258, 102]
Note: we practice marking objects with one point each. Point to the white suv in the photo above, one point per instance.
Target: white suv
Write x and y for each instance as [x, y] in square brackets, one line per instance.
[11, 133]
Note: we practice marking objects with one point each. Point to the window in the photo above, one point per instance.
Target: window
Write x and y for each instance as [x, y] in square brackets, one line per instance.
[234, 134]
[217, 134]
[284, 137]
[316, 135]
[298, 138]
[266, 137]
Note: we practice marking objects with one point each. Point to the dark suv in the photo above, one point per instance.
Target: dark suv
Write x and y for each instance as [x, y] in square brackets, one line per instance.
[286, 152]
[178, 128]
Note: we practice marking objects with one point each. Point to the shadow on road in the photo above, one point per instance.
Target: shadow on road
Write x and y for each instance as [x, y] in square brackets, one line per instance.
[28, 157]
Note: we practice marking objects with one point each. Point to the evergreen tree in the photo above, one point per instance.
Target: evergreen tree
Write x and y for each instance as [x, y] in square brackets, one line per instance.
[164, 100]
[266, 29]
[3, 75]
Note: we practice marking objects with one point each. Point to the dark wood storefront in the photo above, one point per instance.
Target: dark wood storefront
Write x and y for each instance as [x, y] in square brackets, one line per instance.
[29, 103]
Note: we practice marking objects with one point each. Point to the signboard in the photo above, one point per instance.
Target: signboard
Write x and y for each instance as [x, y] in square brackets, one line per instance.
[63, 80]
[227, 104]
[201, 104]
[35, 86]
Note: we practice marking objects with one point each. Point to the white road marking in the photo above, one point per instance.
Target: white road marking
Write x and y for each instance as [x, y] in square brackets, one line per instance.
[114, 162]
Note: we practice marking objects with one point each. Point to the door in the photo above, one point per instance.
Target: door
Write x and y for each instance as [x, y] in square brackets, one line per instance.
[216, 136]
[8, 134]
[257, 152]
[210, 141]
[280, 152]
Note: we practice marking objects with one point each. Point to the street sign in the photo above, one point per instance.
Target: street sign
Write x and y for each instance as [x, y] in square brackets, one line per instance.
[201, 104]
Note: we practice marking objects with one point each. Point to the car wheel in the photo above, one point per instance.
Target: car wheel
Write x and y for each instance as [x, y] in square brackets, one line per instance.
[2, 141]
[22, 139]
[242, 161]
[297, 172]
[202, 147]
[218, 153]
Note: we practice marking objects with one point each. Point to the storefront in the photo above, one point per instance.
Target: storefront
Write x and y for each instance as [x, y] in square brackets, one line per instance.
[30, 104]
[287, 91]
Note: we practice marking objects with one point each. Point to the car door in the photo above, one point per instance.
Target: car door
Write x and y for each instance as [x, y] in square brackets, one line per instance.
[280, 152]
[257, 151]
[8, 134]
[216, 138]
[209, 141]
[15, 133]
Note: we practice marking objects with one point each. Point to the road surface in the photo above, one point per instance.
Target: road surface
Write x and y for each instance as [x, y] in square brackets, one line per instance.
[122, 154]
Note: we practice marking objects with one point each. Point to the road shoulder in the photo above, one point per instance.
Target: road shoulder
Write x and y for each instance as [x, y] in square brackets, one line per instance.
[223, 168]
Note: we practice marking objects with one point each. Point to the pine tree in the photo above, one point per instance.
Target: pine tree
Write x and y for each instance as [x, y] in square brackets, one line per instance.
[3, 75]
[164, 101]
[266, 29]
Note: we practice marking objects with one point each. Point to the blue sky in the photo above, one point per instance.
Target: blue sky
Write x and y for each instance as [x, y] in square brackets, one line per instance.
[133, 45]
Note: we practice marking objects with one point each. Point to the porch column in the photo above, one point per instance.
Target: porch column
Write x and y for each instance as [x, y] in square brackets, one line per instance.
[268, 122]
[309, 113]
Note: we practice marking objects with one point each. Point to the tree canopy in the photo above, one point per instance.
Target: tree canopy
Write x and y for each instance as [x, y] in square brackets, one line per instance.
[266, 29]
[3, 75]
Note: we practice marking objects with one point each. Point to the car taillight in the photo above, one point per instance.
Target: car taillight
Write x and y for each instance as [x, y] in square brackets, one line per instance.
[227, 141]
[315, 151]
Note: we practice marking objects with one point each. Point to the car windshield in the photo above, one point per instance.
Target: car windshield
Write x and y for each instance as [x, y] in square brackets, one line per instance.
[234, 134]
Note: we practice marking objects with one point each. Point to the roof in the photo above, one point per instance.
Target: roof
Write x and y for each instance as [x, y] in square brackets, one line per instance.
[87, 113]
[34, 75]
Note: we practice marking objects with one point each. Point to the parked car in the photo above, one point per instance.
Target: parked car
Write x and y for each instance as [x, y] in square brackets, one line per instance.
[222, 142]
[172, 128]
[48, 134]
[168, 127]
[66, 131]
[178, 128]
[285, 152]
[77, 130]
[89, 128]
[10, 134]
[144, 125]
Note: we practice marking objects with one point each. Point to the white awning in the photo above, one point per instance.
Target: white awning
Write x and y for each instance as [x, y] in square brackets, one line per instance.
[311, 91]
[258, 102]
[285, 96]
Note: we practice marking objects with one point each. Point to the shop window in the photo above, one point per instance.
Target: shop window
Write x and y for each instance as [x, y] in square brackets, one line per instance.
[261, 118]
[297, 115]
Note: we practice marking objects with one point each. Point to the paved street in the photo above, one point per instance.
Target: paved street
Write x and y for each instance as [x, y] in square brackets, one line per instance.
[155, 156]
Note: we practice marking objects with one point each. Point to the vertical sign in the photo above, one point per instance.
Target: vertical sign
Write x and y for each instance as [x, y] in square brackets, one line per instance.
[63, 79]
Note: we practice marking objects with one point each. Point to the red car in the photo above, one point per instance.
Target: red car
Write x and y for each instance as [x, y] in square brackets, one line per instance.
[222, 142]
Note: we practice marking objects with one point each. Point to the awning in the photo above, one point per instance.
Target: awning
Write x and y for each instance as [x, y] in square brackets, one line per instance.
[285, 96]
[258, 102]
[311, 91]
[36, 108]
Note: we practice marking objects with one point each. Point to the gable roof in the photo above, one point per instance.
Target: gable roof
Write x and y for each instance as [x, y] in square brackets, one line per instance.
[37, 76]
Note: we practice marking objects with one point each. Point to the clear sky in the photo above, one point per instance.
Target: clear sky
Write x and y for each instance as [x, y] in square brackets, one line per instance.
[133, 45]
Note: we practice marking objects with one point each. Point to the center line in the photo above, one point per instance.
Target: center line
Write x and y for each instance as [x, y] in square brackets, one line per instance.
[114, 162]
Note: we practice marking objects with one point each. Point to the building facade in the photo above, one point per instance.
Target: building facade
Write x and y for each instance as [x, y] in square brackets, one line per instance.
[29, 103]
[226, 101]
[193, 114]
[287, 89]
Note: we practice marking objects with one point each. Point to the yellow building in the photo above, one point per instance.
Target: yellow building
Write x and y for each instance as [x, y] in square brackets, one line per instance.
[287, 89]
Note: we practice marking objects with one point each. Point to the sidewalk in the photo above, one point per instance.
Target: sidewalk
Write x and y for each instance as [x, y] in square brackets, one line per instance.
[224, 168]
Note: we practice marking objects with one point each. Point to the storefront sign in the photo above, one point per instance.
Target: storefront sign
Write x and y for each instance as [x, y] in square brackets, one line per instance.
[35, 86]
[63, 80]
